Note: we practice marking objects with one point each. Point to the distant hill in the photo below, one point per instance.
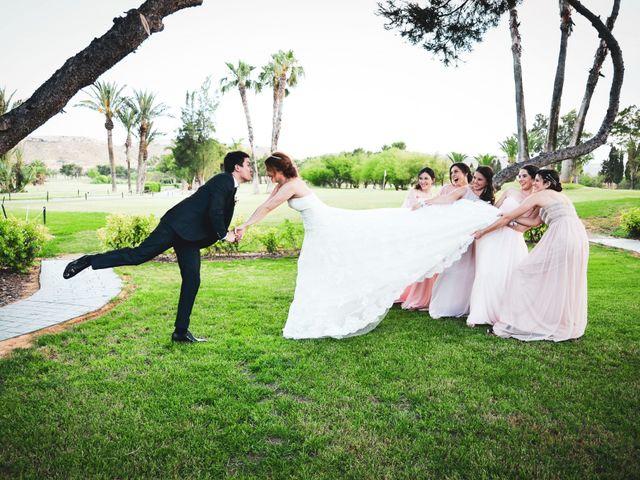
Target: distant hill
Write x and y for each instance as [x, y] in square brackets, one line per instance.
[83, 151]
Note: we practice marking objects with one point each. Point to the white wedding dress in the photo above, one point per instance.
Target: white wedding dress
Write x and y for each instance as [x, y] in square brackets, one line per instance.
[355, 263]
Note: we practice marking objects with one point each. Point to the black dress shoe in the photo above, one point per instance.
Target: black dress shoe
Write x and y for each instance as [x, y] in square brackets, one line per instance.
[186, 337]
[77, 266]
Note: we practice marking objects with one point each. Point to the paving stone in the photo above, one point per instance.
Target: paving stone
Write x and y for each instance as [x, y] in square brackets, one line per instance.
[59, 300]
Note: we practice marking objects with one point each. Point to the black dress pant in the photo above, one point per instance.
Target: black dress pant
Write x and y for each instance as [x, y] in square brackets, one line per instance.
[161, 239]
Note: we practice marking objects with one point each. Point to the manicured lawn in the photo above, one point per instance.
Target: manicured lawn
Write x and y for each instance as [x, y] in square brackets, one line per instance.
[415, 398]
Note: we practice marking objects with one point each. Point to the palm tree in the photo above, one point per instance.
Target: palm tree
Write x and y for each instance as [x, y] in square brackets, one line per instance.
[489, 160]
[127, 117]
[521, 118]
[5, 101]
[510, 148]
[106, 99]
[281, 72]
[457, 157]
[145, 108]
[240, 78]
[566, 27]
[6, 104]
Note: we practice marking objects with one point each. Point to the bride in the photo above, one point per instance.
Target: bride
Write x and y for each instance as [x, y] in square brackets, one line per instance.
[355, 263]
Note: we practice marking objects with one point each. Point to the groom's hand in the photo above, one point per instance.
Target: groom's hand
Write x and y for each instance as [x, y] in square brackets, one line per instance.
[239, 231]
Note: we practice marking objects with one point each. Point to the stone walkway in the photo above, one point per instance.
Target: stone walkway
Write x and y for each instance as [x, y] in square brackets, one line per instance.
[623, 243]
[58, 300]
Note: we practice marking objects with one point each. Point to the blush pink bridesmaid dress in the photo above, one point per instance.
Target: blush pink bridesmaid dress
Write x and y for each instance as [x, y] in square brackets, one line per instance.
[546, 298]
[417, 295]
[452, 290]
[497, 255]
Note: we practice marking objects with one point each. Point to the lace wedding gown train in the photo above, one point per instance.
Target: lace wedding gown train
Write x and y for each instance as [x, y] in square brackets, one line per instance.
[355, 263]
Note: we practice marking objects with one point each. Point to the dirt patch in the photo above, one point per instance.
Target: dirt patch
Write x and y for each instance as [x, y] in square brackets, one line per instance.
[16, 286]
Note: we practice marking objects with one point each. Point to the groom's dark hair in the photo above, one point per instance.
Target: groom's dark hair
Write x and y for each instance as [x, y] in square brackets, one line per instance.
[232, 159]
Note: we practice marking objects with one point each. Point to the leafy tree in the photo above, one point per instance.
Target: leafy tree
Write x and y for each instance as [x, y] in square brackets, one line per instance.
[612, 169]
[106, 99]
[447, 28]
[240, 78]
[71, 170]
[626, 134]
[195, 151]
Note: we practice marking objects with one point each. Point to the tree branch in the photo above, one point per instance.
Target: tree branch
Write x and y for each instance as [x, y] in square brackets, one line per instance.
[85, 68]
[600, 137]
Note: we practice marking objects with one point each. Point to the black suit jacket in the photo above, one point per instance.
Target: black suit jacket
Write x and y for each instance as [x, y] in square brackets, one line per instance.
[205, 216]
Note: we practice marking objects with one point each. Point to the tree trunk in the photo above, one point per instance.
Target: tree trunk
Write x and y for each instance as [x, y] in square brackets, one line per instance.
[274, 116]
[85, 68]
[521, 119]
[245, 105]
[600, 137]
[127, 150]
[142, 148]
[112, 161]
[566, 25]
[568, 166]
[282, 85]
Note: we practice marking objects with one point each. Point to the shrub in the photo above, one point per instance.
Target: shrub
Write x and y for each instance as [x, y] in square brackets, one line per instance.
[20, 243]
[630, 222]
[533, 235]
[270, 241]
[590, 180]
[152, 187]
[291, 234]
[126, 230]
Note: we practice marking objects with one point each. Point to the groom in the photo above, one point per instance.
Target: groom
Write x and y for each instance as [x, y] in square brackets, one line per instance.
[194, 223]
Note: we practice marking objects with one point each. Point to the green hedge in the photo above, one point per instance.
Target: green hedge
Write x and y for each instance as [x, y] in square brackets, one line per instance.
[20, 243]
[153, 187]
[630, 222]
[126, 230]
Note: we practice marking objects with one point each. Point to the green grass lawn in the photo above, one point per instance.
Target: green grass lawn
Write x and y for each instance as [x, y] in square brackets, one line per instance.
[415, 398]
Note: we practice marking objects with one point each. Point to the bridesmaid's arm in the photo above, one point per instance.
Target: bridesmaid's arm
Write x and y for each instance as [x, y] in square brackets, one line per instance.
[529, 221]
[506, 218]
[457, 194]
[502, 198]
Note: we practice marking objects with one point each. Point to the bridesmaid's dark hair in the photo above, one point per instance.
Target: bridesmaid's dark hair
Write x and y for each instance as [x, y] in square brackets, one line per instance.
[531, 170]
[464, 168]
[282, 163]
[489, 192]
[552, 177]
[429, 172]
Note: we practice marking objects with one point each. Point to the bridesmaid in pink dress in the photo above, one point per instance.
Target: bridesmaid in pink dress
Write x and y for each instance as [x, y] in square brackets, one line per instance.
[499, 253]
[546, 298]
[417, 295]
[452, 289]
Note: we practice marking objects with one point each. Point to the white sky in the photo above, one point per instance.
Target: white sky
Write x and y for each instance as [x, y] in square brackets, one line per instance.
[364, 86]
